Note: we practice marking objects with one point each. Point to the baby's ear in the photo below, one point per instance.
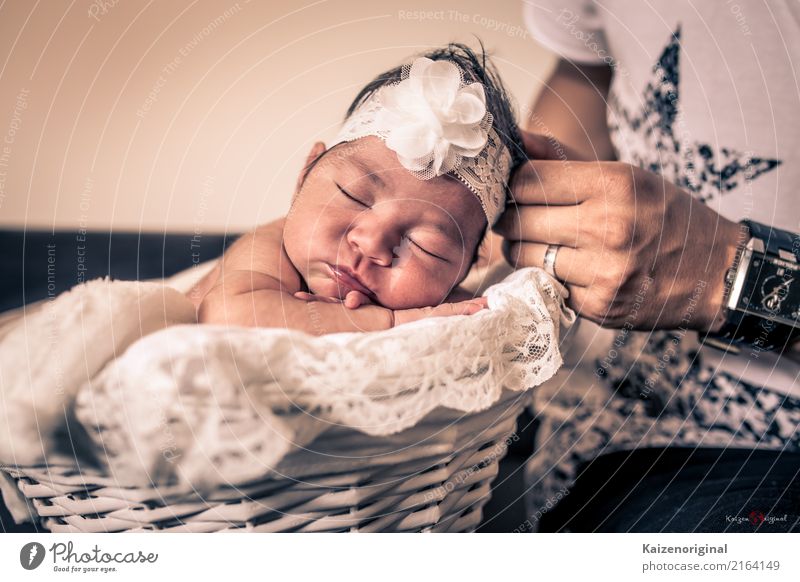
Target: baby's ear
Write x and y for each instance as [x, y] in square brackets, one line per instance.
[316, 151]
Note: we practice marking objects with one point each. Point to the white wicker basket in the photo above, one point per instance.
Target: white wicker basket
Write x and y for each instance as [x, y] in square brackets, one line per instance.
[435, 476]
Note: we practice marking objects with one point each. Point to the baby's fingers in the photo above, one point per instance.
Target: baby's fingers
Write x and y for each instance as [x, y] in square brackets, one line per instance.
[311, 297]
[461, 308]
[402, 316]
[473, 305]
[356, 299]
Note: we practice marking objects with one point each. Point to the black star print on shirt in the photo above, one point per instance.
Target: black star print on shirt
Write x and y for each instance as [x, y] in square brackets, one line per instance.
[657, 139]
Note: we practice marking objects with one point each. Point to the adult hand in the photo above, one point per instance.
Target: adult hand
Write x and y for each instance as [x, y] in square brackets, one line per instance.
[633, 249]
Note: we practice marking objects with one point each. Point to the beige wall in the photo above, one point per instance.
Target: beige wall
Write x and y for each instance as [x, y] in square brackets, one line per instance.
[196, 115]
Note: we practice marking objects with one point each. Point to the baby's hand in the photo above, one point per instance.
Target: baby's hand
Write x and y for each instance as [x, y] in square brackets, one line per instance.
[469, 307]
[311, 297]
[353, 300]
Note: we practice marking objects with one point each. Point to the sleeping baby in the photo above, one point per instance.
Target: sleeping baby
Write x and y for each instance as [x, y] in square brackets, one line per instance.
[385, 224]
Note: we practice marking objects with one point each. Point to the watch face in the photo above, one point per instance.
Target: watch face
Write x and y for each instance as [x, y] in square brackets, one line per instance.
[772, 289]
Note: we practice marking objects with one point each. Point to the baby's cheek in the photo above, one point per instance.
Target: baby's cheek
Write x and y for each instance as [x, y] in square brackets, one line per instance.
[415, 286]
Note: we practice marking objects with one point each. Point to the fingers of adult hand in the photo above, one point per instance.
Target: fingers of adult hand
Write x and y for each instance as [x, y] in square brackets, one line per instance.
[586, 304]
[553, 182]
[570, 265]
[536, 146]
[542, 147]
[545, 224]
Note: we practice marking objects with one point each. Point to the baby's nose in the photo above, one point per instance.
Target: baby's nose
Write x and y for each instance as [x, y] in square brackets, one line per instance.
[374, 238]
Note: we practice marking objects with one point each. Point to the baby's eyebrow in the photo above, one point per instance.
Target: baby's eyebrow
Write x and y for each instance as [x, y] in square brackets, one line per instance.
[447, 232]
[368, 172]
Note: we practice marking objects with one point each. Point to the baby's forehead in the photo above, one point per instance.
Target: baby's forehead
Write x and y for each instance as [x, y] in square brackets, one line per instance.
[368, 154]
[360, 159]
[370, 160]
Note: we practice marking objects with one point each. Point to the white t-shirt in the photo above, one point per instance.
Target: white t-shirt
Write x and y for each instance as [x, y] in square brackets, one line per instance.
[707, 94]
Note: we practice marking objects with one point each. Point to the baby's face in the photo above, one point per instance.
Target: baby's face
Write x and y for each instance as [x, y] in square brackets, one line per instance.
[360, 221]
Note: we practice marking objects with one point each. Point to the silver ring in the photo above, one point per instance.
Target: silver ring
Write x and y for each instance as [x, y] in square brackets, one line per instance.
[550, 260]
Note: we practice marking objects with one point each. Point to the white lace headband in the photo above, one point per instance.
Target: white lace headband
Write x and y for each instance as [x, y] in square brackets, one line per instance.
[437, 124]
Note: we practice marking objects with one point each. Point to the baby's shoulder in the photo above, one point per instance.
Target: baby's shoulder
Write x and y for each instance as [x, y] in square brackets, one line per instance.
[271, 233]
[261, 250]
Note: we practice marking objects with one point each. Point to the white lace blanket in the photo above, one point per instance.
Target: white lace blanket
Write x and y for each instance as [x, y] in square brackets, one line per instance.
[117, 372]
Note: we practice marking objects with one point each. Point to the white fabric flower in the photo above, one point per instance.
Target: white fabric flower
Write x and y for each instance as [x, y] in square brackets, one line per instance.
[433, 120]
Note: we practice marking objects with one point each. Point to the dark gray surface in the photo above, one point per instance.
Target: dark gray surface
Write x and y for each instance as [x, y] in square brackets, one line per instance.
[682, 489]
[38, 264]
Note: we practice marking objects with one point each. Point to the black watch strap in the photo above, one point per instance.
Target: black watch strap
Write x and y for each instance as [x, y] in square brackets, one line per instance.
[760, 333]
[776, 241]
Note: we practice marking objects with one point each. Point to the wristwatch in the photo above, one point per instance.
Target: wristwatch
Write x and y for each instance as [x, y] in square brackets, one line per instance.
[762, 298]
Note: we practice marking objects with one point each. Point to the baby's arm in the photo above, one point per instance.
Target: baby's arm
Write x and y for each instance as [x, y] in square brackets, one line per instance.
[254, 285]
[253, 299]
